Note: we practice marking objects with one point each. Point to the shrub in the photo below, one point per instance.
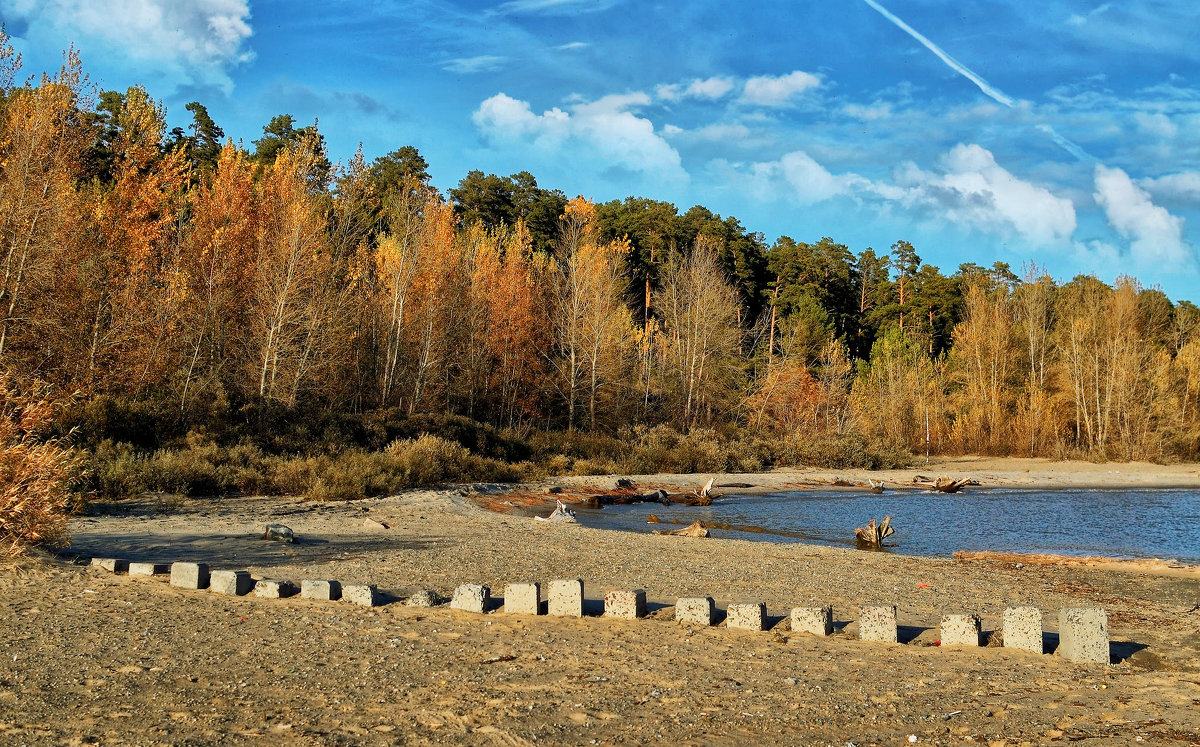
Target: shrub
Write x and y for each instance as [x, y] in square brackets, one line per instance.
[34, 472]
[842, 452]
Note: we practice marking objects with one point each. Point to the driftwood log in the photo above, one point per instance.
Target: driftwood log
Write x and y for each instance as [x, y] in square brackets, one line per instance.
[695, 529]
[943, 484]
[872, 535]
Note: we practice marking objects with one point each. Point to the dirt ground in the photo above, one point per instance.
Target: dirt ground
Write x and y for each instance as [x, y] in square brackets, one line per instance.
[87, 657]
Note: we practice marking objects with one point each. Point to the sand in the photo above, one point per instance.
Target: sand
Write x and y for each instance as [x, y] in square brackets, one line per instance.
[89, 657]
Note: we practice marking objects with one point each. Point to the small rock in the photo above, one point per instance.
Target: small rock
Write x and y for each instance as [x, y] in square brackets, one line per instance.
[279, 533]
[553, 490]
[424, 598]
[624, 482]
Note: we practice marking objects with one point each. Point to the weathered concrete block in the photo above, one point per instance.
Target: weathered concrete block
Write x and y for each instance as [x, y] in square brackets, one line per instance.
[749, 616]
[148, 569]
[960, 630]
[698, 610]
[189, 575]
[1023, 629]
[320, 589]
[1083, 635]
[566, 597]
[470, 598]
[626, 605]
[362, 594]
[877, 624]
[235, 583]
[274, 588]
[112, 565]
[424, 598]
[522, 599]
[815, 620]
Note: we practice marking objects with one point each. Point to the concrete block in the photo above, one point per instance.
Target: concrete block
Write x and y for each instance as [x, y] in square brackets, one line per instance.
[189, 575]
[522, 599]
[320, 589]
[626, 605]
[148, 569]
[566, 597]
[749, 616]
[470, 598]
[877, 624]
[363, 594]
[698, 610]
[960, 630]
[112, 565]
[1083, 635]
[274, 588]
[425, 598]
[1023, 629]
[234, 583]
[815, 620]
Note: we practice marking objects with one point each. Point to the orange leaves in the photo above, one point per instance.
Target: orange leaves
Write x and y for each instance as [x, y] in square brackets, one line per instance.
[789, 398]
[33, 474]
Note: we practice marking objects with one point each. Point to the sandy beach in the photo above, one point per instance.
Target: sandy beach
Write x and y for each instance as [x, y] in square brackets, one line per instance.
[135, 661]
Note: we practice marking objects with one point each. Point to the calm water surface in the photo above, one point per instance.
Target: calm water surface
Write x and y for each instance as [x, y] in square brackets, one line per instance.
[1119, 523]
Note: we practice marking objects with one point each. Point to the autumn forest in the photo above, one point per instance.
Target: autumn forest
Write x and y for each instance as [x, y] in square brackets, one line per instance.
[178, 290]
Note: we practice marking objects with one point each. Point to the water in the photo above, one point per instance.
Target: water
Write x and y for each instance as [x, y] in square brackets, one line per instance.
[1159, 523]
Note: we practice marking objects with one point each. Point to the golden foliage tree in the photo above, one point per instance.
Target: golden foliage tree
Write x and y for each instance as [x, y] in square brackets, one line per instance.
[700, 310]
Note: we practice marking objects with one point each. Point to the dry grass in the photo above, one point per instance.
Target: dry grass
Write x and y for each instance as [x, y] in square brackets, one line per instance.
[34, 472]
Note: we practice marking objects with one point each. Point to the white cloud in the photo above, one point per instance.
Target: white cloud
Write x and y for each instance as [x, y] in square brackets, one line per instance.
[571, 46]
[766, 90]
[971, 189]
[1155, 236]
[968, 189]
[698, 88]
[196, 40]
[1181, 187]
[868, 113]
[605, 130]
[719, 133]
[1158, 125]
[469, 65]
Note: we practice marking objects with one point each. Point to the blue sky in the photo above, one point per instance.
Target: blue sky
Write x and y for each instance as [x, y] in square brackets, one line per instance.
[1066, 132]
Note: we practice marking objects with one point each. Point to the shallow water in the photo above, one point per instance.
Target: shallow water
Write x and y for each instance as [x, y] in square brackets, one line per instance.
[1159, 523]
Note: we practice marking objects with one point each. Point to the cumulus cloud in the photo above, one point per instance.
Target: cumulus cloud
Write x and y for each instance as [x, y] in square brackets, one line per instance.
[197, 40]
[766, 90]
[706, 88]
[1155, 236]
[967, 188]
[1181, 187]
[606, 130]
[970, 188]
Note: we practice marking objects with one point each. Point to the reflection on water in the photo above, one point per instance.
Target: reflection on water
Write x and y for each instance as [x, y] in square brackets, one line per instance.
[1119, 523]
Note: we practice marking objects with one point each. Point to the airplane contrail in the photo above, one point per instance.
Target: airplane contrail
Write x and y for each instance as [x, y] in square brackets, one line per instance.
[988, 89]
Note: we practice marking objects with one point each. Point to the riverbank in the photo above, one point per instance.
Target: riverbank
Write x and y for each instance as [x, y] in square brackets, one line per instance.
[138, 661]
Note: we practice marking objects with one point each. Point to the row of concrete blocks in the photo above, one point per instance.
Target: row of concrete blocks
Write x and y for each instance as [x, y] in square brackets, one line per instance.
[240, 583]
[1083, 632]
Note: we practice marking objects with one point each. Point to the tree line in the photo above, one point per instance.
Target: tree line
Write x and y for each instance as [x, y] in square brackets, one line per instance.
[180, 267]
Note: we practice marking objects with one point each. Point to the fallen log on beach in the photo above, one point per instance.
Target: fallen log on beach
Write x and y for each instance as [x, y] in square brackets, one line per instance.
[695, 529]
[943, 484]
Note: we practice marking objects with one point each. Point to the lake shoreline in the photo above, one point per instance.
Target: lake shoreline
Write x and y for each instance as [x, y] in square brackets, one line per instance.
[459, 677]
